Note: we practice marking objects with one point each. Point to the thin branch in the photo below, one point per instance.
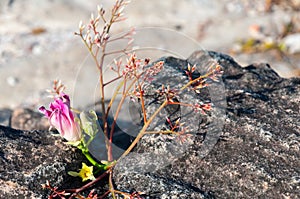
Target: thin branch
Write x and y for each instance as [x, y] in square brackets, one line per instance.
[124, 36]
[142, 132]
[104, 195]
[88, 184]
[197, 79]
[142, 103]
[124, 95]
[110, 81]
[111, 185]
[116, 52]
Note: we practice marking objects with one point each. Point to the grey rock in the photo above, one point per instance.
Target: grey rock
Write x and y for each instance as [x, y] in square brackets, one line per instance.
[28, 119]
[292, 42]
[5, 115]
[257, 154]
[248, 147]
[29, 158]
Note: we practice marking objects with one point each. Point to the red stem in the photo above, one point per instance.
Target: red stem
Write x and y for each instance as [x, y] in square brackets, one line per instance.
[75, 191]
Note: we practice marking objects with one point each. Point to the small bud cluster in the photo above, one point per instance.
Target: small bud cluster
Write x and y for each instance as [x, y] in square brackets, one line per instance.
[138, 70]
[92, 35]
[202, 107]
[213, 74]
[133, 68]
[189, 71]
[117, 67]
[57, 89]
[178, 128]
[174, 126]
[117, 10]
[153, 70]
[197, 84]
[168, 93]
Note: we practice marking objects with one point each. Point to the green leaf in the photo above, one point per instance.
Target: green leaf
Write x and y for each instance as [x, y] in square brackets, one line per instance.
[89, 123]
[73, 173]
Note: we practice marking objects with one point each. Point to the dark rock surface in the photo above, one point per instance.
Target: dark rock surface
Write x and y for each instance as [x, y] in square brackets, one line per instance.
[256, 154]
[29, 158]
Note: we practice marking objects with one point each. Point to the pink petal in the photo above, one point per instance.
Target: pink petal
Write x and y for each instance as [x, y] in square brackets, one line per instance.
[46, 112]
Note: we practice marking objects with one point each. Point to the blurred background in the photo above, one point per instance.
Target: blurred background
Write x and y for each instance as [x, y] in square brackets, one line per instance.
[38, 45]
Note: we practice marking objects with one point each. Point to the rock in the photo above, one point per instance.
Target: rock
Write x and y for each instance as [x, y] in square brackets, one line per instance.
[292, 42]
[29, 158]
[257, 154]
[28, 119]
[248, 147]
[12, 81]
[5, 115]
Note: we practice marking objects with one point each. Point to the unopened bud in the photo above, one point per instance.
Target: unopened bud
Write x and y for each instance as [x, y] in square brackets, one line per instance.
[99, 8]
[80, 25]
[92, 17]
[106, 36]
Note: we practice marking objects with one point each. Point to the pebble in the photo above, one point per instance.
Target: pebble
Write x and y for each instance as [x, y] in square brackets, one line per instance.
[37, 49]
[12, 81]
[292, 42]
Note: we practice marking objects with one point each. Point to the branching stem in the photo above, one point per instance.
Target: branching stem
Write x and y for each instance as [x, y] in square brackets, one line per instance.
[143, 130]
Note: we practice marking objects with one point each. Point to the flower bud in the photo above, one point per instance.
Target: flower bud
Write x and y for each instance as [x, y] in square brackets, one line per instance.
[61, 117]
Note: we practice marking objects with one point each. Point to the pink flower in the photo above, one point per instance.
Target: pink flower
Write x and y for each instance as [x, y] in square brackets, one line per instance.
[61, 117]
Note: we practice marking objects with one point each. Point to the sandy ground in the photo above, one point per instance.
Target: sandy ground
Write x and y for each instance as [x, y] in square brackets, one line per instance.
[37, 42]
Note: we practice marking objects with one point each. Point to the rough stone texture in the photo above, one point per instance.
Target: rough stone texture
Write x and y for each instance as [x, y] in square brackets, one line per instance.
[29, 158]
[23, 119]
[27, 119]
[257, 155]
